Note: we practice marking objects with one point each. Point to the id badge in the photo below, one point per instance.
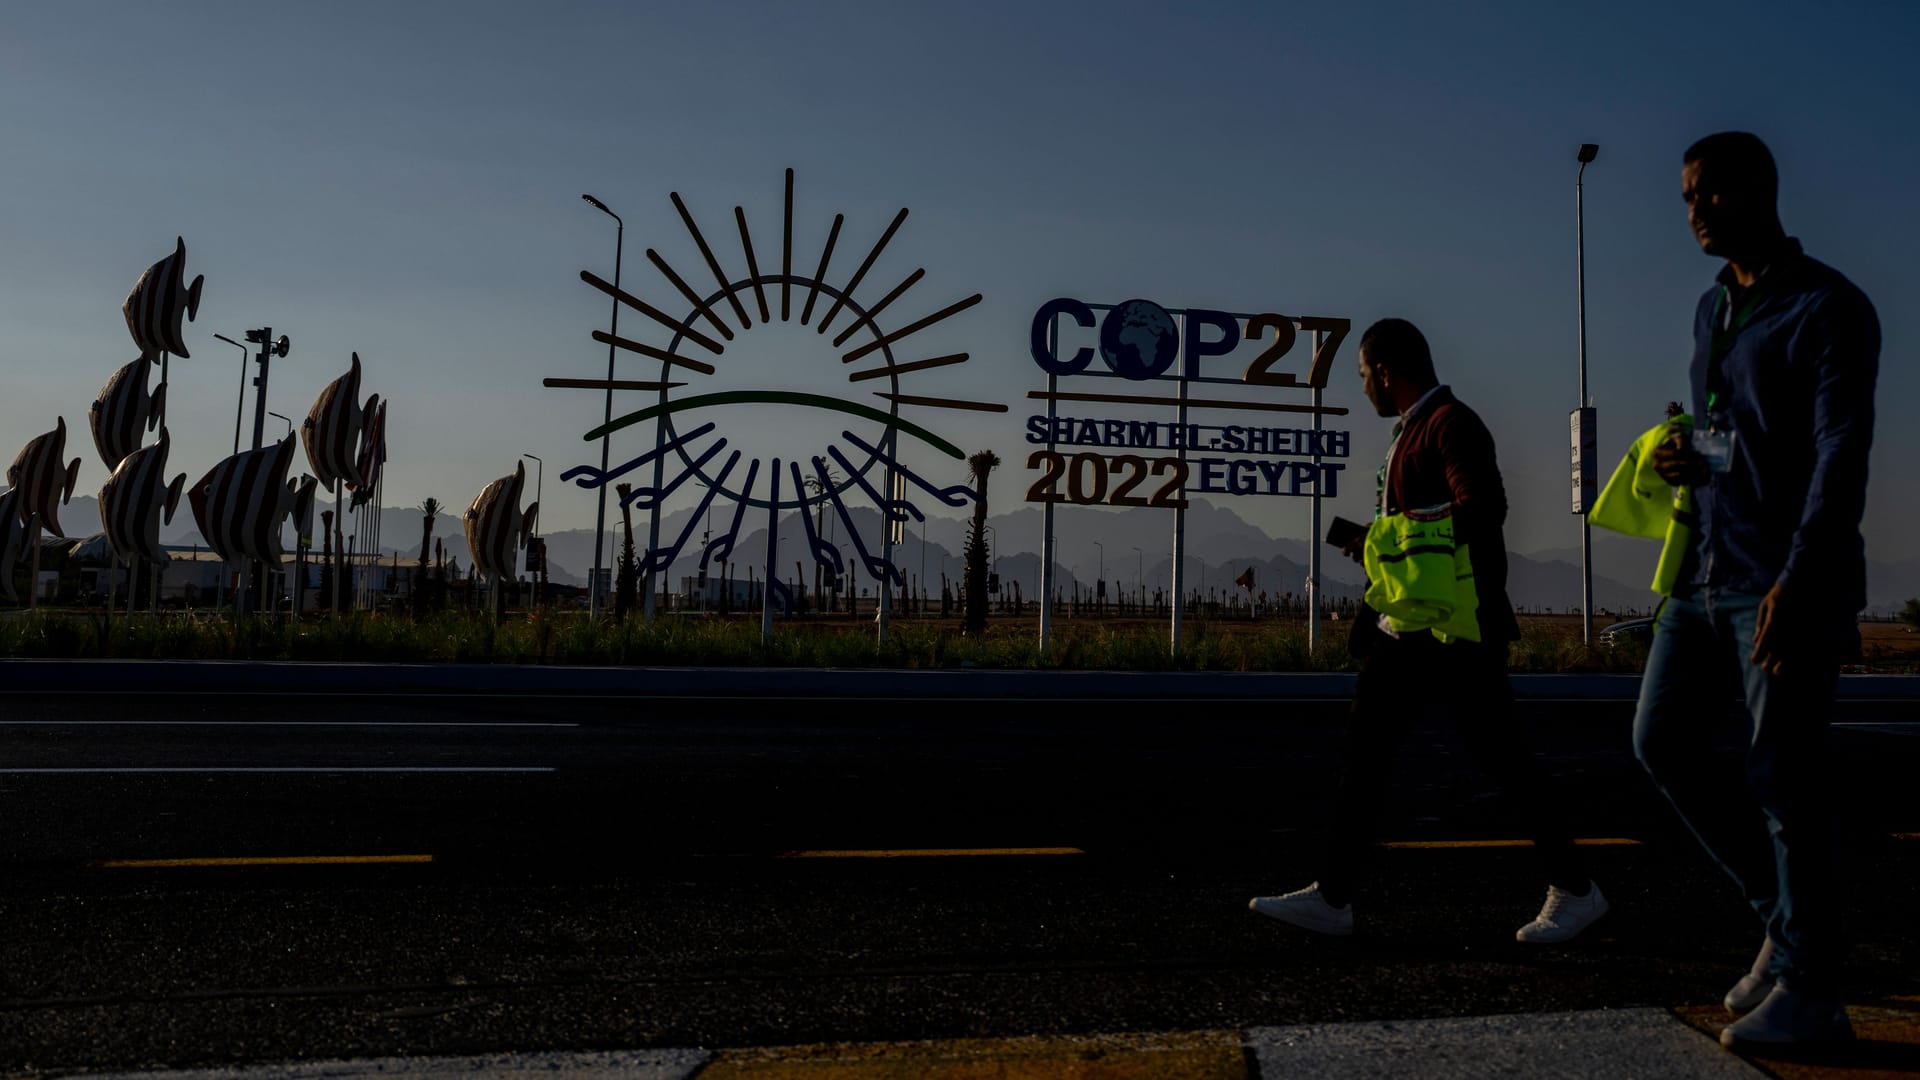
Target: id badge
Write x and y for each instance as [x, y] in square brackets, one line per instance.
[1717, 448]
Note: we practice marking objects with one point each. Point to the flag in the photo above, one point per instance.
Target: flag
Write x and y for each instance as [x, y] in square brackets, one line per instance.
[1245, 580]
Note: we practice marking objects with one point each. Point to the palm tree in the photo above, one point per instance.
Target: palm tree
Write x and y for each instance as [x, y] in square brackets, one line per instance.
[979, 466]
[429, 510]
[624, 592]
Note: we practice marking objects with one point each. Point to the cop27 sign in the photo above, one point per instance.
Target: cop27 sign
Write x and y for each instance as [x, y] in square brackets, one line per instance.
[1140, 342]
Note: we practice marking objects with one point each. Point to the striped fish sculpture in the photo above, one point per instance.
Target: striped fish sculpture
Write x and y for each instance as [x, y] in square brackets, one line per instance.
[496, 526]
[331, 430]
[124, 410]
[373, 451]
[158, 302]
[134, 501]
[13, 538]
[242, 502]
[43, 482]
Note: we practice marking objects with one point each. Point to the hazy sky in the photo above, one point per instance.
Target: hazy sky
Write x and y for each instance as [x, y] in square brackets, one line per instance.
[404, 180]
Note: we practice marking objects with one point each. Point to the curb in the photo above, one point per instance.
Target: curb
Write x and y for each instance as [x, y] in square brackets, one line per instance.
[279, 677]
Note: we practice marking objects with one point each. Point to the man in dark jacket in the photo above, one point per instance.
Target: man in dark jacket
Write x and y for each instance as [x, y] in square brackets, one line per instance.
[1786, 352]
[1442, 456]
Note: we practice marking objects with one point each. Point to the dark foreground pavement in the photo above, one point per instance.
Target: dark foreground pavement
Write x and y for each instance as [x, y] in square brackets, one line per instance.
[616, 874]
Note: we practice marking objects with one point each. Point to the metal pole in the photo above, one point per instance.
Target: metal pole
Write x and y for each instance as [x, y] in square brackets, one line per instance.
[1046, 509]
[773, 543]
[260, 395]
[883, 600]
[1313, 536]
[594, 599]
[1100, 579]
[1180, 522]
[240, 405]
[1586, 527]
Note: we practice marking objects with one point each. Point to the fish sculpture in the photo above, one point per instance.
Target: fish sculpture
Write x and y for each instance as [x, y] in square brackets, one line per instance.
[331, 430]
[496, 526]
[44, 483]
[13, 537]
[373, 452]
[158, 302]
[124, 410]
[242, 502]
[134, 501]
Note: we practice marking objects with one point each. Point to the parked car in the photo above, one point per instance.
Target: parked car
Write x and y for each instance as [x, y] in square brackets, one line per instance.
[1640, 630]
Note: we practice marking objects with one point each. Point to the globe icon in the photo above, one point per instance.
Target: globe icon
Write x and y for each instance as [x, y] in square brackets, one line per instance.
[1138, 339]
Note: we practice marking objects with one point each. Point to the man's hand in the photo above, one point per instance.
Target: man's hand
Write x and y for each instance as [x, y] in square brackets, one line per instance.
[1354, 547]
[1777, 641]
[1678, 466]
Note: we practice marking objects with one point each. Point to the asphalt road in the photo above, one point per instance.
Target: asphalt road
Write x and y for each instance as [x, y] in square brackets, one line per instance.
[620, 872]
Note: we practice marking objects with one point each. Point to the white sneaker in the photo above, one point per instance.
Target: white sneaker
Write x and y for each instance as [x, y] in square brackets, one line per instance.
[1563, 917]
[1307, 909]
[1753, 987]
[1787, 1018]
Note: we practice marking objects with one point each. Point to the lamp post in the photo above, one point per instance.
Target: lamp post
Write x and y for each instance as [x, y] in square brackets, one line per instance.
[1584, 419]
[240, 405]
[288, 419]
[1139, 573]
[600, 518]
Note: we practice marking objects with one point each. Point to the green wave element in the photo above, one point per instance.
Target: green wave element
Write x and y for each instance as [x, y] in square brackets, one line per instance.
[777, 397]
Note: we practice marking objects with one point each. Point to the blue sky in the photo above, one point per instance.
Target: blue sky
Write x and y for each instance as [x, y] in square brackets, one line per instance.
[404, 180]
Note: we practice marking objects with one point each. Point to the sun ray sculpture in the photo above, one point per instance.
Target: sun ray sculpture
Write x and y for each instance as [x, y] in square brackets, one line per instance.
[864, 462]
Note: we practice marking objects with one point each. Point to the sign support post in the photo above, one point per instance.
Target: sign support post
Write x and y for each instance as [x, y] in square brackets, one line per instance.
[1313, 536]
[1046, 511]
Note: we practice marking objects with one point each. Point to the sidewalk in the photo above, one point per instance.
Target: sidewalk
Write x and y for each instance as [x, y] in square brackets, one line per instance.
[1597, 1044]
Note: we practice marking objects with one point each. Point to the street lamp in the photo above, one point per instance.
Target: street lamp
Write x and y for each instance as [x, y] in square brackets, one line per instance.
[600, 518]
[239, 406]
[288, 419]
[1584, 422]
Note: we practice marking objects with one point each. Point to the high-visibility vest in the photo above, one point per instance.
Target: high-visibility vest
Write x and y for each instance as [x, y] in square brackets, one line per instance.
[1638, 502]
[1418, 577]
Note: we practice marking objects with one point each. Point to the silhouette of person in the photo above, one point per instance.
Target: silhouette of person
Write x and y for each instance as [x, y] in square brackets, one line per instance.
[1786, 352]
[1441, 455]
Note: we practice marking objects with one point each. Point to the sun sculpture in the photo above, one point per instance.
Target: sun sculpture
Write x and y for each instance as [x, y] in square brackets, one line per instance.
[863, 462]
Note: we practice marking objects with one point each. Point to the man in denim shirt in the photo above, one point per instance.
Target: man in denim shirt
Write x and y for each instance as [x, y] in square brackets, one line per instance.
[1785, 355]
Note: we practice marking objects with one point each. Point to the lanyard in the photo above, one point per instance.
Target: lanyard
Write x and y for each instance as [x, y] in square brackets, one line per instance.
[1722, 341]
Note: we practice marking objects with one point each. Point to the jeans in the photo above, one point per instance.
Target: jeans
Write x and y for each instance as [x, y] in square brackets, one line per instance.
[1398, 678]
[1772, 835]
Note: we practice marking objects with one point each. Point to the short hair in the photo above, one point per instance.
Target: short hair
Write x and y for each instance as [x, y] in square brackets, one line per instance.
[1401, 348]
[1743, 155]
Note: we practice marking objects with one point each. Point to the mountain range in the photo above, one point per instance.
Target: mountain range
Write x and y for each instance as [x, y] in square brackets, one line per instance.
[1089, 542]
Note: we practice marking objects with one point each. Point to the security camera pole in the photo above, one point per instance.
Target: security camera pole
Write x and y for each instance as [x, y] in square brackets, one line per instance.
[269, 348]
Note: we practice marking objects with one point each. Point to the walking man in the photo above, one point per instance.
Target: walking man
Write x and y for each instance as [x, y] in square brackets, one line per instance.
[1442, 477]
[1785, 355]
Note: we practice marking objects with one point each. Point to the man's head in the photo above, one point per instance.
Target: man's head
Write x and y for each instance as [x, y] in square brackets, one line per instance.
[1731, 188]
[1396, 367]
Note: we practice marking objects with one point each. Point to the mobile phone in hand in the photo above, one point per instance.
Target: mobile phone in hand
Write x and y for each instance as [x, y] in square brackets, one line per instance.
[1343, 532]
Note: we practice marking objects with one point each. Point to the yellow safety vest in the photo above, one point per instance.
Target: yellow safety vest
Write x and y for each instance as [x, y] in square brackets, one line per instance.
[1418, 577]
[1637, 502]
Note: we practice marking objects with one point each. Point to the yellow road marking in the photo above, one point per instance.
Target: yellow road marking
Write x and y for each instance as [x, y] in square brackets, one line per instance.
[1200, 1055]
[919, 853]
[269, 860]
[1433, 845]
